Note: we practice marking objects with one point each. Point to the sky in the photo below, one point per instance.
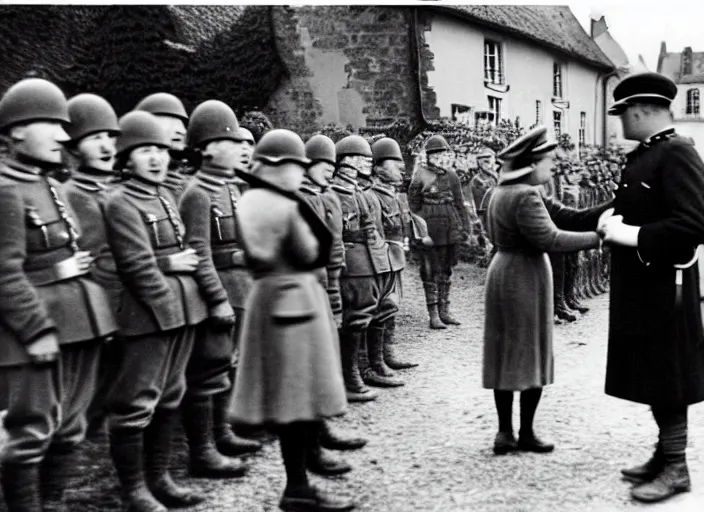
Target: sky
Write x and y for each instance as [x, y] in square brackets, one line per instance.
[640, 27]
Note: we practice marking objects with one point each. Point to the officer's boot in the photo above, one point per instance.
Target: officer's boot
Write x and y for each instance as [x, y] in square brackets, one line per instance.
[571, 275]
[431, 299]
[205, 460]
[601, 281]
[581, 272]
[333, 441]
[20, 484]
[226, 441]
[127, 451]
[561, 310]
[55, 473]
[318, 461]
[587, 291]
[594, 289]
[376, 373]
[350, 342]
[390, 344]
[158, 438]
[444, 304]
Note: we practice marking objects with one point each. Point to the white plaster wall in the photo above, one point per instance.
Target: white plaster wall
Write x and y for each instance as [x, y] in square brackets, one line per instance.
[458, 49]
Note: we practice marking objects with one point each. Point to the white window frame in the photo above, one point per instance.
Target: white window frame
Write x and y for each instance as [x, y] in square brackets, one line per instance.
[558, 80]
[557, 123]
[495, 106]
[693, 107]
[582, 128]
[538, 112]
[494, 62]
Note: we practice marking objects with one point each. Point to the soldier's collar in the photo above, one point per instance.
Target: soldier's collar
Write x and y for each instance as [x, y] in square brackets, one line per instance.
[343, 190]
[665, 134]
[91, 181]
[210, 182]
[140, 189]
[21, 171]
[382, 188]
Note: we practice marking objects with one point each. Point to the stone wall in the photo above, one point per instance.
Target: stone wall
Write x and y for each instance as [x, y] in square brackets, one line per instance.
[347, 65]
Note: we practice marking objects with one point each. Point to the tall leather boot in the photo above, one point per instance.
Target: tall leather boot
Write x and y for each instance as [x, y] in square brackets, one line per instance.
[158, 437]
[376, 373]
[332, 441]
[127, 451]
[571, 274]
[390, 344]
[601, 277]
[581, 287]
[444, 304]
[205, 460]
[431, 299]
[20, 485]
[318, 461]
[350, 342]
[226, 441]
[55, 472]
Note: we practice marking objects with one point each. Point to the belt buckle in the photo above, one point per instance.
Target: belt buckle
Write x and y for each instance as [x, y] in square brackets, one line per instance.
[237, 258]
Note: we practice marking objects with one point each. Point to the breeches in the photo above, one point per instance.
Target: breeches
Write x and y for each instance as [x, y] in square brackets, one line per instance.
[368, 299]
[437, 262]
[213, 356]
[47, 403]
[152, 375]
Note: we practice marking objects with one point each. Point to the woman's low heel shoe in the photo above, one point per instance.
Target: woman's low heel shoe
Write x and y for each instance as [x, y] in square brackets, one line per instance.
[504, 443]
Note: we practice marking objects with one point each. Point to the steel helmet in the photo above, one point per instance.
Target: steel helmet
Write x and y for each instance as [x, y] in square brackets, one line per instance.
[353, 145]
[279, 146]
[139, 128]
[386, 148]
[33, 99]
[244, 135]
[163, 104]
[435, 144]
[321, 148]
[89, 114]
[211, 120]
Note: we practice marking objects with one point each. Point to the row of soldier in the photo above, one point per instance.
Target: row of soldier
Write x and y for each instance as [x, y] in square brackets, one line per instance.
[577, 276]
[125, 288]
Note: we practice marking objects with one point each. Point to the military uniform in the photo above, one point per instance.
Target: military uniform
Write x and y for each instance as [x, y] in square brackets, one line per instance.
[45, 291]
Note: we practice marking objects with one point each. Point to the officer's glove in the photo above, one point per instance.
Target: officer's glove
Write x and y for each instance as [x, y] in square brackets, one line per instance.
[222, 317]
[184, 261]
[44, 349]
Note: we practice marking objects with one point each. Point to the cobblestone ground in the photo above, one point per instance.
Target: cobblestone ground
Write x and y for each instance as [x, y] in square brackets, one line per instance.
[430, 441]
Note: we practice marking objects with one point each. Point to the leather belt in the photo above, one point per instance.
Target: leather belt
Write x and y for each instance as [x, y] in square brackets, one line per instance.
[437, 201]
[355, 237]
[229, 259]
[61, 271]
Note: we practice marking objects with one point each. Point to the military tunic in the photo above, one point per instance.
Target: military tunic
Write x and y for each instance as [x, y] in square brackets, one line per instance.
[333, 216]
[159, 309]
[311, 194]
[480, 186]
[208, 207]
[43, 291]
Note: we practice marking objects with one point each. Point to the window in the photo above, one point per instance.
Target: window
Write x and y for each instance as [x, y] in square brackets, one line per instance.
[693, 102]
[493, 62]
[538, 112]
[462, 114]
[582, 128]
[495, 107]
[557, 80]
[557, 123]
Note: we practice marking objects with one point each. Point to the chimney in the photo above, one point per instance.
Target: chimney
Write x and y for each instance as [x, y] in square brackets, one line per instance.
[598, 27]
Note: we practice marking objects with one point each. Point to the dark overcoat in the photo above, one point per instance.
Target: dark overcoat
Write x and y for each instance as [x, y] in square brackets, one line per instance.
[656, 346]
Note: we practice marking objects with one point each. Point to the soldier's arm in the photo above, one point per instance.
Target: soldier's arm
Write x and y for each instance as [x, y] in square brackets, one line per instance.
[195, 213]
[21, 309]
[337, 253]
[672, 239]
[573, 219]
[135, 258]
[458, 199]
[415, 196]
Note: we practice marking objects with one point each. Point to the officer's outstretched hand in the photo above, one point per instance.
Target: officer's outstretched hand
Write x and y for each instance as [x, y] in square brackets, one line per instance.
[84, 259]
[222, 316]
[44, 349]
[184, 261]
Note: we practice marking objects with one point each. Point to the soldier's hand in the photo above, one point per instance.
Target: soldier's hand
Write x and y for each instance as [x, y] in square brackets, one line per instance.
[427, 241]
[602, 220]
[84, 259]
[184, 261]
[44, 349]
[222, 317]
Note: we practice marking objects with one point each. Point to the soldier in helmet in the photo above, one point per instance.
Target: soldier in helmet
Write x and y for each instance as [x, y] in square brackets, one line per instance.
[397, 222]
[288, 326]
[172, 116]
[435, 194]
[93, 130]
[161, 306]
[53, 317]
[366, 257]
[208, 207]
[483, 182]
[315, 190]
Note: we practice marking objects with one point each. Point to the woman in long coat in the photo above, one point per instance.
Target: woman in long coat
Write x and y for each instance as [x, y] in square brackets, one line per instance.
[290, 373]
[523, 225]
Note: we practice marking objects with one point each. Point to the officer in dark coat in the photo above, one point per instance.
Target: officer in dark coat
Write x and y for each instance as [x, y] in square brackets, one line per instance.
[53, 317]
[483, 182]
[208, 207]
[161, 307]
[172, 116]
[397, 225]
[656, 344]
[93, 130]
[435, 194]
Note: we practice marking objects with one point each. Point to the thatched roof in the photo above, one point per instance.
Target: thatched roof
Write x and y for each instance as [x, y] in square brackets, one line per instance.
[551, 26]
